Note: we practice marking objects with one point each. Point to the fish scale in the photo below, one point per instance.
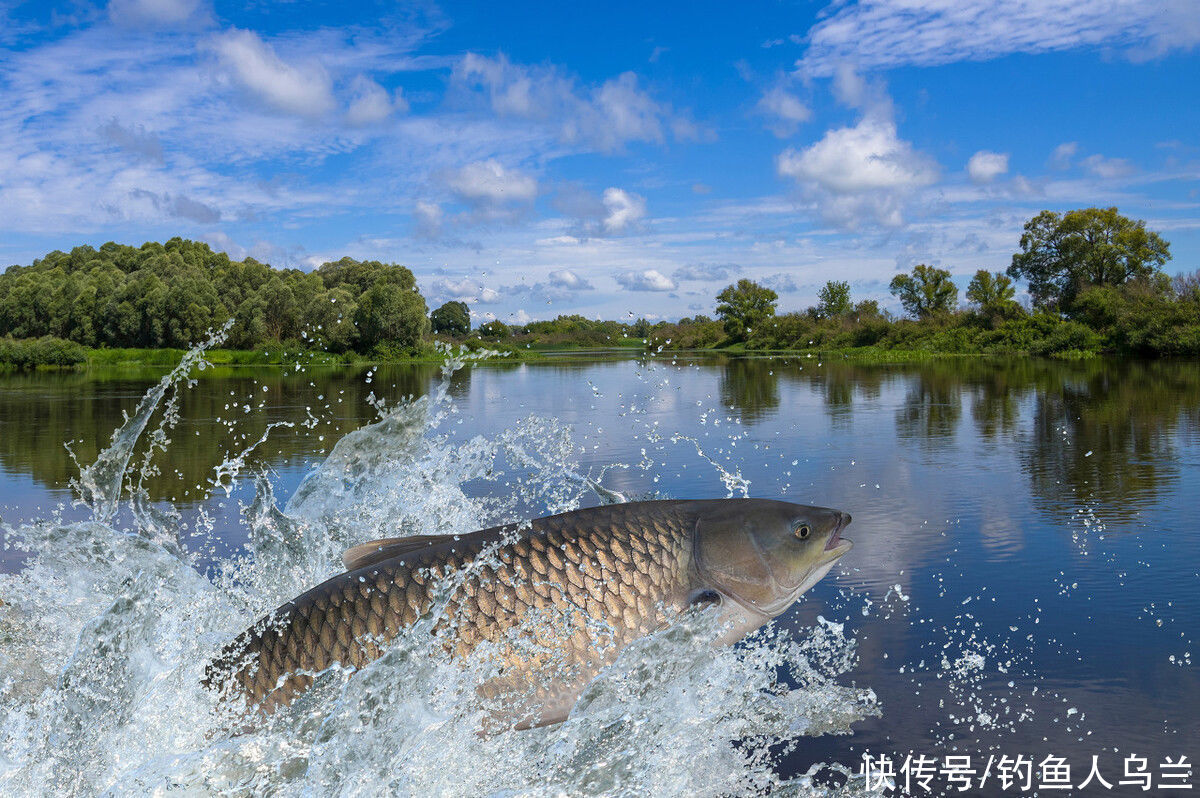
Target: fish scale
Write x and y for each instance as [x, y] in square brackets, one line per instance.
[623, 566]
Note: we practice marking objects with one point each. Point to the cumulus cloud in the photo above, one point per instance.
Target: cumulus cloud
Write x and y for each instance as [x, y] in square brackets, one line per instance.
[490, 183]
[785, 109]
[1107, 168]
[859, 172]
[624, 210]
[565, 278]
[1063, 153]
[303, 89]
[605, 117]
[646, 280]
[867, 157]
[888, 33]
[706, 271]
[155, 12]
[984, 166]
[614, 212]
[464, 290]
[372, 104]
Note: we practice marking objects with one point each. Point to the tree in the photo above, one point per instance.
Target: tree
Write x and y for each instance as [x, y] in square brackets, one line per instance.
[452, 318]
[1063, 254]
[494, 330]
[834, 299]
[388, 313]
[1187, 286]
[988, 290]
[928, 292]
[744, 307]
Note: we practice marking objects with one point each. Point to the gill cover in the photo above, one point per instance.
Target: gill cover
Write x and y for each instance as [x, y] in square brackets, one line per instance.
[749, 550]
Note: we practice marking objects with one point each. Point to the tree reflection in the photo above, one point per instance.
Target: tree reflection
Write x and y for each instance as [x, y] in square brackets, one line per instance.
[932, 407]
[750, 386]
[1103, 435]
[40, 412]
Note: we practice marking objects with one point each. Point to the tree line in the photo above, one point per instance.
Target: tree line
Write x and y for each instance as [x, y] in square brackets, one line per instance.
[172, 294]
[1094, 280]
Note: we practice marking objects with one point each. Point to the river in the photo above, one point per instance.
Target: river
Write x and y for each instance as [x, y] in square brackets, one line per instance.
[1025, 580]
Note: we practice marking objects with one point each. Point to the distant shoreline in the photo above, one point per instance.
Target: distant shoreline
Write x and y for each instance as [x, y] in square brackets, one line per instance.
[168, 358]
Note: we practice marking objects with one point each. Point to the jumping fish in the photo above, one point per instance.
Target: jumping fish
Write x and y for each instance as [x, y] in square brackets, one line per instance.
[614, 573]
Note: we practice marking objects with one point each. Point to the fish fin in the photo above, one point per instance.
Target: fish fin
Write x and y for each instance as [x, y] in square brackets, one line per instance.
[374, 551]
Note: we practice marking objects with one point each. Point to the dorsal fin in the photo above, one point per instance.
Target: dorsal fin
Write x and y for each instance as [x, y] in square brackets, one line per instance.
[374, 551]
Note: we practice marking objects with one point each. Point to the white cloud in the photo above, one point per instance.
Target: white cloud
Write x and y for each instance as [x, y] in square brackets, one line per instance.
[1063, 153]
[605, 117]
[490, 183]
[706, 271]
[427, 219]
[888, 33]
[984, 166]
[786, 110]
[849, 88]
[372, 104]
[646, 280]
[520, 317]
[866, 157]
[626, 112]
[301, 89]
[464, 290]
[1108, 168]
[614, 212]
[565, 278]
[154, 12]
[860, 171]
[625, 210]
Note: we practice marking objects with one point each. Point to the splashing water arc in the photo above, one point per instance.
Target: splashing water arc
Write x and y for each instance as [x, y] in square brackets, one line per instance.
[106, 631]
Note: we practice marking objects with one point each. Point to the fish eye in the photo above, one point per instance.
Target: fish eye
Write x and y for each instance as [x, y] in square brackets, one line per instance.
[803, 531]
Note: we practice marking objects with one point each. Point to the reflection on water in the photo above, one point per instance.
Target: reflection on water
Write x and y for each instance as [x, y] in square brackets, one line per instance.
[1102, 432]
[1024, 577]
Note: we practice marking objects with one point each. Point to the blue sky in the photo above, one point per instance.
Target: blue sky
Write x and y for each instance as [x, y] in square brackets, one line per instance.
[616, 159]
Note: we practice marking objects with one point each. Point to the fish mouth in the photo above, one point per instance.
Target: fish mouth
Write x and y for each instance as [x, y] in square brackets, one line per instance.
[836, 542]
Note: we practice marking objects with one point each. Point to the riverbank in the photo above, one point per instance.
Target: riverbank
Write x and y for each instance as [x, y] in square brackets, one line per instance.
[52, 357]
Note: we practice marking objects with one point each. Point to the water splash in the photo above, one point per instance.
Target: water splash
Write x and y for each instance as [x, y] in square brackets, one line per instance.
[107, 630]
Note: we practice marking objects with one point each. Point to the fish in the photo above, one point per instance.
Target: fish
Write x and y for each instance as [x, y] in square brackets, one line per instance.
[580, 586]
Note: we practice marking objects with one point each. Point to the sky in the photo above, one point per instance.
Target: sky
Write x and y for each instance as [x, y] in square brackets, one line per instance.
[615, 160]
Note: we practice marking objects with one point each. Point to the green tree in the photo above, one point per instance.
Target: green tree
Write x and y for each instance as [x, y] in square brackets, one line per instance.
[744, 307]
[988, 289]
[1063, 254]
[494, 330]
[993, 294]
[452, 318]
[927, 292]
[834, 299]
[388, 313]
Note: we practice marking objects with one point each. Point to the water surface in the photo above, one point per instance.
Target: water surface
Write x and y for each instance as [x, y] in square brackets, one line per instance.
[1025, 581]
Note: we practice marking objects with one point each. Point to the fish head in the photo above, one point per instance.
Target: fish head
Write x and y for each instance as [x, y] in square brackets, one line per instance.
[764, 554]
